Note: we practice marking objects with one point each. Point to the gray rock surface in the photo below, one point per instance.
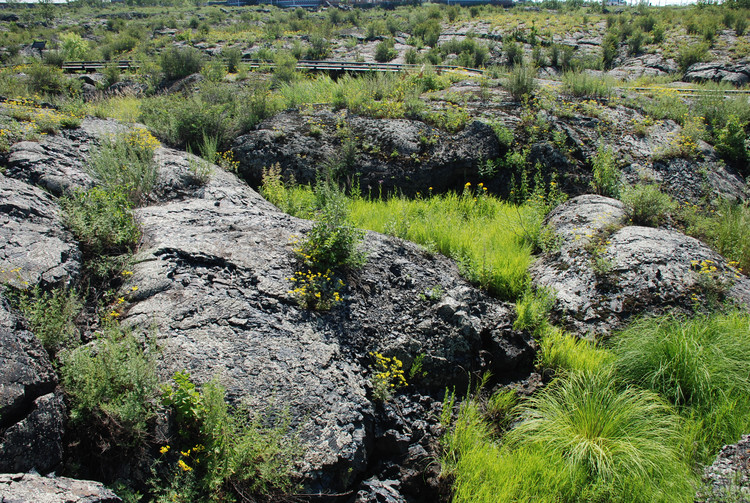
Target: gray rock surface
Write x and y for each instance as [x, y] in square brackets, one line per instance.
[392, 153]
[31, 413]
[34, 246]
[639, 269]
[737, 74]
[728, 478]
[33, 488]
[211, 277]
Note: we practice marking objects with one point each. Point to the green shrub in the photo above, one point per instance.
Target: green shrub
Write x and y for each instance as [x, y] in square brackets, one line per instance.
[101, 220]
[333, 241]
[319, 48]
[635, 41]
[222, 453]
[513, 54]
[232, 57]
[647, 205]
[44, 79]
[701, 365]
[73, 46]
[384, 51]
[689, 54]
[731, 144]
[606, 174]
[609, 49]
[521, 82]
[113, 378]
[126, 162]
[51, 316]
[179, 62]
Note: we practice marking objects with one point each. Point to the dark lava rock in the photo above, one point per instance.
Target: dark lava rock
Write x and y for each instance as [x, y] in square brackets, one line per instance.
[211, 278]
[31, 413]
[728, 478]
[34, 246]
[402, 154]
[33, 488]
[639, 269]
[737, 74]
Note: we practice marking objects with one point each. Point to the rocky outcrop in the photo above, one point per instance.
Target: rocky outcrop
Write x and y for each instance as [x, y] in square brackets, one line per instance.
[212, 279]
[737, 74]
[642, 156]
[391, 154]
[728, 478]
[605, 273]
[30, 487]
[31, 412]
[34, 246]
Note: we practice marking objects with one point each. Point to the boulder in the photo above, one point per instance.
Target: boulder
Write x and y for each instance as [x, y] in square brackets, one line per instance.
[34, 246]
[391, 154]
[728, 478]
[31, 412]
[605, 273]
[212, 279]
[31, 487]
[737, 74]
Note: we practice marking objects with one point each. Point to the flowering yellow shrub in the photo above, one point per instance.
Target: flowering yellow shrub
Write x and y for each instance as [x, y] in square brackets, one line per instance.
[388, 375]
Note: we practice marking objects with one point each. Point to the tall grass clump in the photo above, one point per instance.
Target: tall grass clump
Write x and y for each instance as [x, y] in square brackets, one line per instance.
[567, 353]
[701, 365]
[585, 437]
[521, 82]
[606, 174]
[582, 84]
[621, 443]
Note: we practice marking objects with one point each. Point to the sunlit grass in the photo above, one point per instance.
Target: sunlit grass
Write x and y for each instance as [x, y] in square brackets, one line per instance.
[122, 108]
[488, 237]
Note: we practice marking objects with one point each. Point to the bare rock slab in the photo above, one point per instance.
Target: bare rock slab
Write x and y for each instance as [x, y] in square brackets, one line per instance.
[33, 488]
[31, 412]
[605, 273]
[34, 246]
[212, 278]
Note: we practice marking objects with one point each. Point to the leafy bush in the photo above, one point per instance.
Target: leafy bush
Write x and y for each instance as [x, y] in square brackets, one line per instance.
[606, 175]
[635, 41]
[73, 46]
[51, 316]
[701, 365]
[232, 57]
[609, 49]
[126, 162]
[319, 48]
[731, 143]
[44, 79]
[513, 54]
[689, 54]
[521, 82]
[221, 453]
[384, 51]
[333, 241]
[101, 220]
[647, 205]
[113, 378]
[179, 62]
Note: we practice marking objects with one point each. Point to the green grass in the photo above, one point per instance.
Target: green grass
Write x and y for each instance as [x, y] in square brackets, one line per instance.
[568, 353]
[701, 365]
[492, 240]
[485, 235]
[585, 437]
[726, 229]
